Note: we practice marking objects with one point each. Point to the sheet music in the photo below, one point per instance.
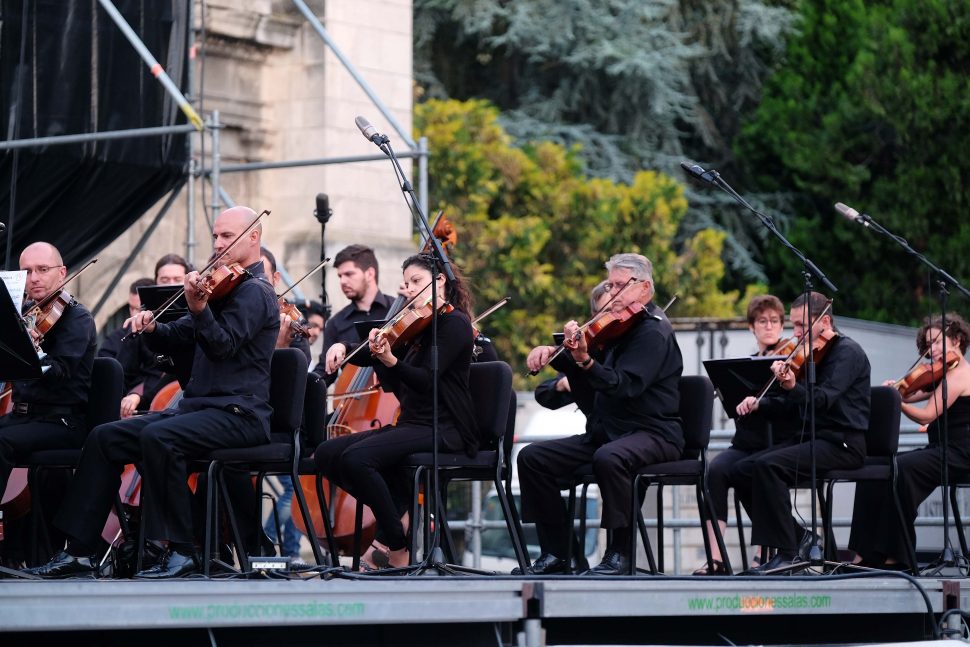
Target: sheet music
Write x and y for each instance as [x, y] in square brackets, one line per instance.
[16, 282]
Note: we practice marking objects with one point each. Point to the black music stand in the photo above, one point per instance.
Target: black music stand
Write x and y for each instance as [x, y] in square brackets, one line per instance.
[18, 357]
[736, 378]
[152, 298]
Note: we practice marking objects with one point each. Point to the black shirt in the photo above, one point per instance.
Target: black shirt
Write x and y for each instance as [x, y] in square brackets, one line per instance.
[410, 380]
[340, 329]
[841, 390]
[138, 361]
[636, 385]
[757, 431]
[234, 340]
[70, 346]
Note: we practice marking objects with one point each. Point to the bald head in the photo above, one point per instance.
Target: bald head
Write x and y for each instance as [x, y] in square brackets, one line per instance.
[45, 269]
[228, 226]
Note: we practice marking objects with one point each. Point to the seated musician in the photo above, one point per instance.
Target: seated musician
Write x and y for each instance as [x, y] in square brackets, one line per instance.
[288, 337]
[357, 270]
[362, 463]
[841, 404]
[753, 432]
[137, 360]
[876, 536]
[49, 413]
[226, 404]
[633, 420]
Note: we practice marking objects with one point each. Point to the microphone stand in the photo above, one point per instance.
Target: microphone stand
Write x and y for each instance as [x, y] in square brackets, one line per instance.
[809, 270]
[948, 557]
[433, 562]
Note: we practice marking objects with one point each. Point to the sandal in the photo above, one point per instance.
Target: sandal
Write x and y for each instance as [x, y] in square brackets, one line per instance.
[718, 568]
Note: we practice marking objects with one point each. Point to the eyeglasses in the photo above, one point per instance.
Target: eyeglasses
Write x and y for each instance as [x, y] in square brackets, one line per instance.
[42, 270]
[616, 287]
[765, 321]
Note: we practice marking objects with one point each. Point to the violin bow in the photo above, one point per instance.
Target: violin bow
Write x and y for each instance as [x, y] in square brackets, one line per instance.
[304, 277]
[561, 347]
[40, 305]
[367, 341]
[492, 308]
[922, 356]
[774, 378]
[212, 263]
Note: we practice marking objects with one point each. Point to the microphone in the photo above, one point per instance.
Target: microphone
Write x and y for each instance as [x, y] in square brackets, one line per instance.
[368, 131]
[698, 172]
[848, 212]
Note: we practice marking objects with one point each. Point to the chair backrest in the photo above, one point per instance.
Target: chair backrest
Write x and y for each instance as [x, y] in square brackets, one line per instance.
[287, 387]
[696, 413]
[314, 413]
[104, 396]
[882, 436]
[490, 384]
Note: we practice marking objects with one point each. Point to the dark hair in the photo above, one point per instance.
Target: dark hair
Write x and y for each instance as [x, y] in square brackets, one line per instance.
[311, 308]
[456, 292]
[956, 328]
[764, 302]
[172, 259]
[139, 283]
[816, 305]
[360, 255]
[269, 257]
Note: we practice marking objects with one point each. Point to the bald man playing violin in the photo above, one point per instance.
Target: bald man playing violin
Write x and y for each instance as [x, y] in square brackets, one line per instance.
[226, 404]
[632, 420]
[48, 413]
[841, 404]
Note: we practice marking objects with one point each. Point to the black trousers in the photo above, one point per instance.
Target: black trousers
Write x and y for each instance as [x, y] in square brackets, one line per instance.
[876, 533]
[719, 478]
[366, 464]
[543, 465]
[763, 480]
[162, 444]
[21, 435]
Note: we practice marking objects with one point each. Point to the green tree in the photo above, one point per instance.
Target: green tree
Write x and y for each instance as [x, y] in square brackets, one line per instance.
[871, 108]
[532, 225]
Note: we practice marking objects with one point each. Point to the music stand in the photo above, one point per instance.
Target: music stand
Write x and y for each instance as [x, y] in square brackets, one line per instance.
[736, 378]
[152, 298]
[18, 357]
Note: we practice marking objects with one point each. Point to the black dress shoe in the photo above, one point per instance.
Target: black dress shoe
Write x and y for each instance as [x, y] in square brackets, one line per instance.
[64, 565]
[614, 563]
[172, 565]
[779, 562]
[805, 545]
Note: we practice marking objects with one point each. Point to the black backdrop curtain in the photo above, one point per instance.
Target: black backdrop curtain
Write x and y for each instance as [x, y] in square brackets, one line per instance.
[81, 75]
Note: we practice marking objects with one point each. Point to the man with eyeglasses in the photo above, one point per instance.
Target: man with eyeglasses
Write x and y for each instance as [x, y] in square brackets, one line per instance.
[48, 413]
[633, 421]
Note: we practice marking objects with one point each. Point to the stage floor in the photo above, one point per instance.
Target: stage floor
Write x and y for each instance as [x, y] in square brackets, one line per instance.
[866, 607]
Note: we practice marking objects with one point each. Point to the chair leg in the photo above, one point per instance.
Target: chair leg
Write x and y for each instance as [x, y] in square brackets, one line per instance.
[514, 509]
[513, 525]
[301, 503]
[660, 526]
[358, 531]
[708, 507]
[583, 502]
[739, 520]
[241, 552]
[326, 518]
[957, 521]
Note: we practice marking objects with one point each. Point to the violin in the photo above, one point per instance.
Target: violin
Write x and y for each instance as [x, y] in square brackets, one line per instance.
[797, 358]
[294, 318]
[926, 376]
[42, 316]
[609, 326]
[410, 322]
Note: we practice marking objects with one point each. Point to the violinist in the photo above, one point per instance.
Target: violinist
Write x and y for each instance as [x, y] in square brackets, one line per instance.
[357, 270]
[762, 480]
[876, 536]
[753, 432]
[48, 413]
[288, 338]
[137, 360]
[632, 420]
[363, 463]
[226, 404]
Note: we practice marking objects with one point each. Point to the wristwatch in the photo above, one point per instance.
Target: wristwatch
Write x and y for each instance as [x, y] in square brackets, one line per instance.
[586, 362]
